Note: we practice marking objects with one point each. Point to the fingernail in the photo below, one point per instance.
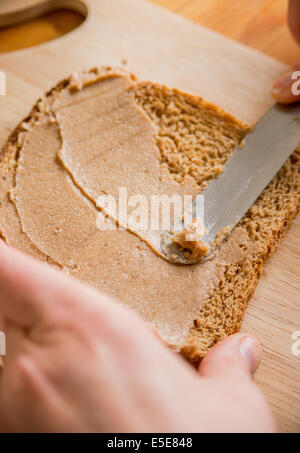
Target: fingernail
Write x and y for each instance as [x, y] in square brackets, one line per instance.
[251, 352]
[276, 90]
[283, 83]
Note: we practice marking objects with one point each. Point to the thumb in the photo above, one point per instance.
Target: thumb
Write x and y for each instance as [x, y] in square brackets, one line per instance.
[237, 356]
[286, 89]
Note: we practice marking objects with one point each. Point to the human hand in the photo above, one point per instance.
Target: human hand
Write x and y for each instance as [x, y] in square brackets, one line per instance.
[282, 88]
[77, 361]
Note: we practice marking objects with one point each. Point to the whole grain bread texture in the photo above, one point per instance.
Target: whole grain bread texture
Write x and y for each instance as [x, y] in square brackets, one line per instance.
[188, 139]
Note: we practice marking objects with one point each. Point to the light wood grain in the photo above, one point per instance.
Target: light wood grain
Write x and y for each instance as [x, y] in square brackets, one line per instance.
[167, 48]
[260, 24]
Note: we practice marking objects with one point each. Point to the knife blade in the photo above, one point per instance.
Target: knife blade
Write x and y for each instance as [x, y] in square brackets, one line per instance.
[247, 173]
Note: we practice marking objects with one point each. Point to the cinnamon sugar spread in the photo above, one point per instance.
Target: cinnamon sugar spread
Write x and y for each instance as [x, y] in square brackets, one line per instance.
[89, 136]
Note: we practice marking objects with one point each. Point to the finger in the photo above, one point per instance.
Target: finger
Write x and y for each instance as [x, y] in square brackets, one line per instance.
[294, 19]
[31, 291]
[31, 387]
[23, 286]
[237, 356]
[286, 89]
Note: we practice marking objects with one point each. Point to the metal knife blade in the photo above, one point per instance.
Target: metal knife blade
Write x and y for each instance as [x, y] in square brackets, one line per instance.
[247, 173]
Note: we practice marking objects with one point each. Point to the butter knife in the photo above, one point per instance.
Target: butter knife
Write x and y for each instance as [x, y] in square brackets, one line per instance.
[247, 173]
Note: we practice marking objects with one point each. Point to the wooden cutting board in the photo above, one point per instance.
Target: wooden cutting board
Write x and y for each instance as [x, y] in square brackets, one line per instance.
[160, 46]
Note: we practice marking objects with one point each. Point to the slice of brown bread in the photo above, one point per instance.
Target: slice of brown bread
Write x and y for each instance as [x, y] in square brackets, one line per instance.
[194, 140]
[266, 222]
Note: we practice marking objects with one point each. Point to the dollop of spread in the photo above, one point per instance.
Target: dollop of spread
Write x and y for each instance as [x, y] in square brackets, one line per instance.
[190, 239]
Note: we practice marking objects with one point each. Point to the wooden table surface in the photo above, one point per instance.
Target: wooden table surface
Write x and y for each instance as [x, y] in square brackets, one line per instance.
[260, 24]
